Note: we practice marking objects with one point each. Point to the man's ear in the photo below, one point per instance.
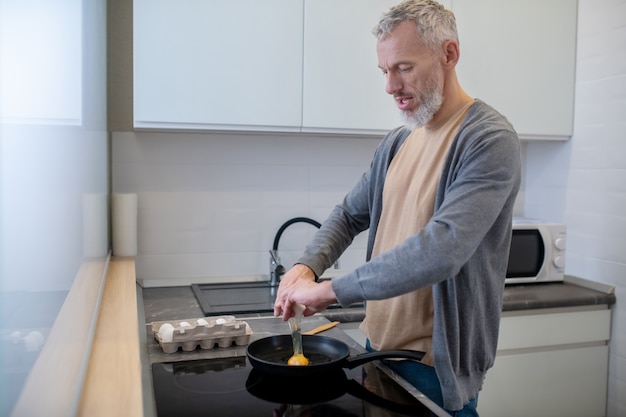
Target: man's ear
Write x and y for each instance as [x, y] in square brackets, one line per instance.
[451, 53]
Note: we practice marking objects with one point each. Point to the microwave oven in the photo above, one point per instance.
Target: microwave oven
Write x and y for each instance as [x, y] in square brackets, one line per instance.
[537, 252]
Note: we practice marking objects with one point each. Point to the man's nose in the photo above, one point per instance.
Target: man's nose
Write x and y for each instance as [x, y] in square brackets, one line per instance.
[393, 84]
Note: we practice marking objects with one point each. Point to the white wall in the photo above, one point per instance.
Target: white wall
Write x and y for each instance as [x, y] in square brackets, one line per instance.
[583, 182]
[596, 192]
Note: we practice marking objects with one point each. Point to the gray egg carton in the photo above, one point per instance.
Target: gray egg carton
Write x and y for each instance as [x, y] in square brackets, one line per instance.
[221, 331]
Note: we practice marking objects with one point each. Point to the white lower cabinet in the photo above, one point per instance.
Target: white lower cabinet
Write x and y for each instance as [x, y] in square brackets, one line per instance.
[551, 363]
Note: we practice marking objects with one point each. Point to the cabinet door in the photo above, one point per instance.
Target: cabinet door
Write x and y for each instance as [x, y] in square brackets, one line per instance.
[519, 57]
[564, 382]
[210, 63]
[543, 358]
[343, 86]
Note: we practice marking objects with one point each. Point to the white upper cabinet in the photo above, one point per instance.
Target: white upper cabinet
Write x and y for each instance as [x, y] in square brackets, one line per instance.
[311, 65]
[343, 88]
[520, 57]
[207, 64]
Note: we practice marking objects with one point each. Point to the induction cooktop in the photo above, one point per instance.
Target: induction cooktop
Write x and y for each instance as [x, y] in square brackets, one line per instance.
[231, 387]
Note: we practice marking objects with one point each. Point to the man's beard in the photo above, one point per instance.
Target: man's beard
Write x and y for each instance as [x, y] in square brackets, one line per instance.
[430, 102]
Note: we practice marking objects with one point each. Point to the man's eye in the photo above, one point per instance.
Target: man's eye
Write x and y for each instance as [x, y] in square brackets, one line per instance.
[404, 69]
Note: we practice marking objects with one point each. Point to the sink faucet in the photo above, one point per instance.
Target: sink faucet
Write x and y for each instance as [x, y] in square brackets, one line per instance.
[276, 268]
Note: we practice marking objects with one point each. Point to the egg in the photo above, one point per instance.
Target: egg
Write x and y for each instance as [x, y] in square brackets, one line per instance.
[220, 321]
[182, 325]
[298, 360]
[166, 332]
[203, 322]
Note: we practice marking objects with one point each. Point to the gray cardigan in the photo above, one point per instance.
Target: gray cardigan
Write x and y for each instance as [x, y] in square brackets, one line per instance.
[462, 251]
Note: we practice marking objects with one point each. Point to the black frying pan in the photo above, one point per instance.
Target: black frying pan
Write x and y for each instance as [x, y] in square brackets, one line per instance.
[325, 354]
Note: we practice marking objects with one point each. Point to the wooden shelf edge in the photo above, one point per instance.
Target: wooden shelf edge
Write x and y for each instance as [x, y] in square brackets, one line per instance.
[113, 380]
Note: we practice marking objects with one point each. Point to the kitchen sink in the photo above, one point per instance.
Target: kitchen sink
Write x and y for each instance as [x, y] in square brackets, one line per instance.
[237, 298]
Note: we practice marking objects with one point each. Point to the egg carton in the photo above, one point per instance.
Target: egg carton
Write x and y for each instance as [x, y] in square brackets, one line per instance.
[206, 332]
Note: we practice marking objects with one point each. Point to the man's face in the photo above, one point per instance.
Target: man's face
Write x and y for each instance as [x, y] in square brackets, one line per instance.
[414, 75]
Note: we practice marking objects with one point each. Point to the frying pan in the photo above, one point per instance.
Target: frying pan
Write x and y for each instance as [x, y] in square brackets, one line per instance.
[325, 355]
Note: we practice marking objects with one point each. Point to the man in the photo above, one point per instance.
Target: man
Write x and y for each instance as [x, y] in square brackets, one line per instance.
[438, 202]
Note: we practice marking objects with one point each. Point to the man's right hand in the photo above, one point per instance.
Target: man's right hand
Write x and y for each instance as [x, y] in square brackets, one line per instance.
[298, 286]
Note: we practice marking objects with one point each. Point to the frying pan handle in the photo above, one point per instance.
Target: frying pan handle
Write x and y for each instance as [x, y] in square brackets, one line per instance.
[355, 361]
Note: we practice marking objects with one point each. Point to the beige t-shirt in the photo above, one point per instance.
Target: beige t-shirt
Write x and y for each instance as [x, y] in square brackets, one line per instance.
[406, 321]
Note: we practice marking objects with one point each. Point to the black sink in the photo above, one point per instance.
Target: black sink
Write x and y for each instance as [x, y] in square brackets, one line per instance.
[237, 298]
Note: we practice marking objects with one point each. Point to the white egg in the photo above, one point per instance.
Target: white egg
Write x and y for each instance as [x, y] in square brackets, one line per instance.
[166, 331]
[202, 322]
[34, 341]
[165, 326]
[182, 326]
[220, 321]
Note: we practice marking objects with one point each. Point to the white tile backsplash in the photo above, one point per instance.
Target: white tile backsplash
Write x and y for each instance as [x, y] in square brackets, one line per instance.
[211, 204]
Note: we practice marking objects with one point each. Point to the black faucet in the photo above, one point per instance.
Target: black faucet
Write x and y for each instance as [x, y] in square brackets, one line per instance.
[276, 268]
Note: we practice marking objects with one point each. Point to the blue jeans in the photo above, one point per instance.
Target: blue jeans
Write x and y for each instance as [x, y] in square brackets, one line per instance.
[424, 378]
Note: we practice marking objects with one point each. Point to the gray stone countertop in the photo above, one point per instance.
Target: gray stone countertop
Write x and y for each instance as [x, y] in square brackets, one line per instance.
[573, 292]
[171, 303]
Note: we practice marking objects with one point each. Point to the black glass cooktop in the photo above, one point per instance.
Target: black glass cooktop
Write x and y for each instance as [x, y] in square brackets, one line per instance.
[231, 387]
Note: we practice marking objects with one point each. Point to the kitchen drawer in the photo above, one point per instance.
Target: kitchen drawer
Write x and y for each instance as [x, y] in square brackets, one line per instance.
[553, 329]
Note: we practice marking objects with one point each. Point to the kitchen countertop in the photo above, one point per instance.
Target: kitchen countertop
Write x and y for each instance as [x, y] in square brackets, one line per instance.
[573, 292]
[170, 303]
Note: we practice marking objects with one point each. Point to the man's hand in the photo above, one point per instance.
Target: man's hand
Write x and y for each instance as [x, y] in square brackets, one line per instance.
[298, 286]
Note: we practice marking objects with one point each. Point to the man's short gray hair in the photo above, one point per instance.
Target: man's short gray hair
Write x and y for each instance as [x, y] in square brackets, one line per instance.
[435, 24]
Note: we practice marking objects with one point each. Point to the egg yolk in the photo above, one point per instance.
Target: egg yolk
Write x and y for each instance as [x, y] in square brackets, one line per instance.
[298, 360]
